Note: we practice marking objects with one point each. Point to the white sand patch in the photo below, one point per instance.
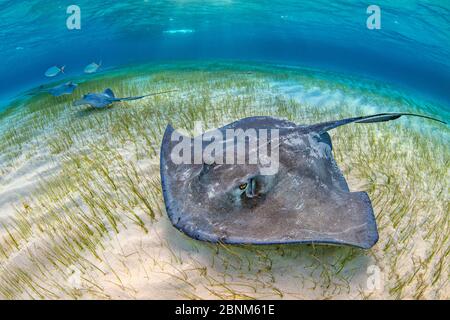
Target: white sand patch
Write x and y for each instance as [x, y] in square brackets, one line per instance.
[23, 180]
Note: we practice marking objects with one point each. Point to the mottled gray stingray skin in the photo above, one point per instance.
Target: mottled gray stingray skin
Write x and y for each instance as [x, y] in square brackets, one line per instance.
[63, 89]
[107, 98]
[306, 201]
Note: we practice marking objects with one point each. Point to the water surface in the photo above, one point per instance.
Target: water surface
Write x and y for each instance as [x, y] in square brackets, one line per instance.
[411, 49]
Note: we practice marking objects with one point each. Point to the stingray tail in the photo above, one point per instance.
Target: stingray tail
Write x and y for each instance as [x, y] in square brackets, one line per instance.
[146, 95]
[381, 117]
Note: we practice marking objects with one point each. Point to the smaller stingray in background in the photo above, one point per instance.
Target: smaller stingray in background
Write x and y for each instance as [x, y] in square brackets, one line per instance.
[307, 200]
[56, 91]
[93, 67]
[54, 71]
[63, 89]
[107, 98]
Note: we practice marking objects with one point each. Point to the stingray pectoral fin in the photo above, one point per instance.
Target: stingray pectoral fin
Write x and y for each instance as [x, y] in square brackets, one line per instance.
[350, 222]
[166, 144]
[356, 224]
[166, 174]
[381, 117]
[171, 179]
[347, 218]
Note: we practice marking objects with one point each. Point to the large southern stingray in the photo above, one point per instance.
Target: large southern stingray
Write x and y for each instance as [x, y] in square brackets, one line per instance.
[306, 201]
[107, 98]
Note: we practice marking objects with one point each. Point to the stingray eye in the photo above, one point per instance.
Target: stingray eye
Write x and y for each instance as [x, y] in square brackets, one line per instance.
[243, 186]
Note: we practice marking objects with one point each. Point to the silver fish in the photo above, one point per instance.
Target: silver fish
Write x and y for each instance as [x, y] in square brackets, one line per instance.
[54, 71]
[93, 67]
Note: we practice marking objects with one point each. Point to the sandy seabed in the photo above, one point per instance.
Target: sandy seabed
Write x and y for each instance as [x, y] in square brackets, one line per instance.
[82, 215]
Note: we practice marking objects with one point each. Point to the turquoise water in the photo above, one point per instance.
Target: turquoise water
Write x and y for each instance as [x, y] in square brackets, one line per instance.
[411, 50]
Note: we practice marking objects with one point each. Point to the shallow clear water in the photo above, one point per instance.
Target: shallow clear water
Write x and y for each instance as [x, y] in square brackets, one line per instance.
[80, 188]
[412, 48]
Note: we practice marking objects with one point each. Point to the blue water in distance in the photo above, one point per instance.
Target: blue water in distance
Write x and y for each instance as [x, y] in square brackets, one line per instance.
[412, 49]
